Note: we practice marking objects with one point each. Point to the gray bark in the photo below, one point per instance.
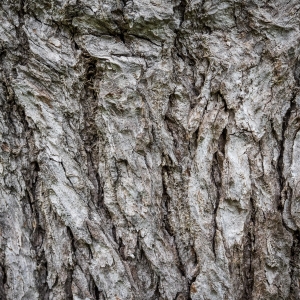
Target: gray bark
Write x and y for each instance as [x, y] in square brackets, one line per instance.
[149, 149]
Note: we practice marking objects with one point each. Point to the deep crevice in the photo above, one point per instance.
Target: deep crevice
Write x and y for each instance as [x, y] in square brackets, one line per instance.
[95, 291]
[124, 2]
[181, 8]
[294, 267]
[280, 164]
[121, 248]
[297, 72]
[3, 280]
[166, 222]
[72, 238]
[122, 37]
[248, 255]
[216, 176]
[41, 276]
[23, 46]
[89, 133]
[144, 38]
[68, 283]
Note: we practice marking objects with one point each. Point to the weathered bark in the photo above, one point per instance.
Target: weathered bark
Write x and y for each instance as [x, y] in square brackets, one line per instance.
[149, 149]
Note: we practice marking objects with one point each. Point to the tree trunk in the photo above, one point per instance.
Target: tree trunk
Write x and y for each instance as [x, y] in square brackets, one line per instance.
[149, 149]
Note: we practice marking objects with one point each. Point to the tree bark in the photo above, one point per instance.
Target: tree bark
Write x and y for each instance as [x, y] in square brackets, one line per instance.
[149, 149]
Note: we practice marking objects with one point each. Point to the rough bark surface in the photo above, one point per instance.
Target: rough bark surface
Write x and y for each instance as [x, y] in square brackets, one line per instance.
[149, 149]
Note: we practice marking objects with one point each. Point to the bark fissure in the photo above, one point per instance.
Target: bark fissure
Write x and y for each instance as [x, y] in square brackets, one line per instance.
[280, 164]
[23, 45]
[69, 280]
[3, 280]
[216, 176]
[90, 133]
[248, 254]
[166, 222]
[294, 266]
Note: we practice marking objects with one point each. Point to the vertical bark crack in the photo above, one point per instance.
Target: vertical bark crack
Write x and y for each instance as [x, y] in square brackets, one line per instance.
[280, 163]
[248, 255]
[38, 232]
[181, 8]
[167, 199]
[216, 176]
[23, 46]
[68, 283]
[95, 291]
[90, 133]
[294, 267]
[3, 279]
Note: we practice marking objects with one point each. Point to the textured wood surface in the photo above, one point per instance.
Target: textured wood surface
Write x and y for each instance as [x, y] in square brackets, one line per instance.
[149, 149]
